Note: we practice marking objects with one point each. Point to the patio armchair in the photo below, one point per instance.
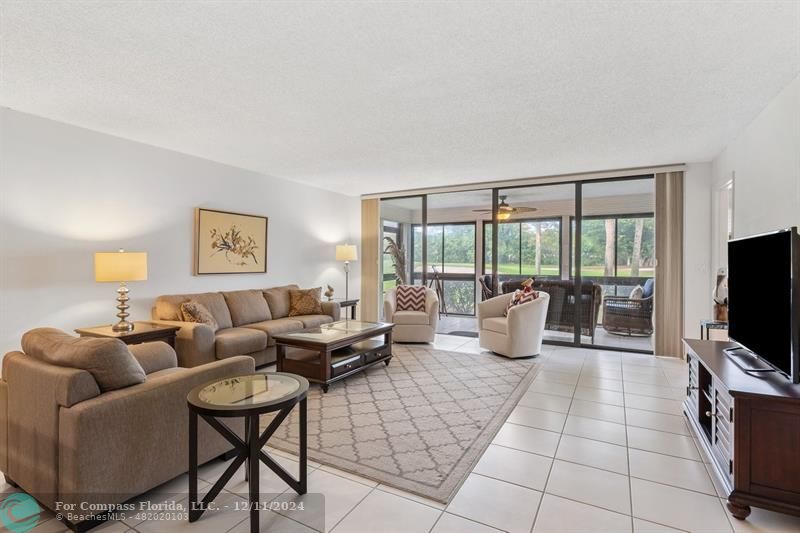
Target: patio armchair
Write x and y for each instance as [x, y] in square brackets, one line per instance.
[486, 287]
[630, 316]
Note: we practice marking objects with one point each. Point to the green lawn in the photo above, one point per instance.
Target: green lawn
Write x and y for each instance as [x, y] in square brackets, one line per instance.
[512, 269]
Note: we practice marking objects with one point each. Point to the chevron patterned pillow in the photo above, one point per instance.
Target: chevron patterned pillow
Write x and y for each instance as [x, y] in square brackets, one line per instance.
[410, 298]
[527, 294]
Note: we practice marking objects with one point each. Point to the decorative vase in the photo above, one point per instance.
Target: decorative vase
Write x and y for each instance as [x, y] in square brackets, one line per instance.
[329, 293]
[720, 296]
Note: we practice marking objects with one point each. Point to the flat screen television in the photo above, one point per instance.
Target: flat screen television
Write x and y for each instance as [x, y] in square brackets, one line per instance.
[764, 296]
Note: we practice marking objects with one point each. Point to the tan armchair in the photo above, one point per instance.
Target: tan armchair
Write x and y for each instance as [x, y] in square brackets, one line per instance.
[63, 440]
[412, 326]
[517, 335]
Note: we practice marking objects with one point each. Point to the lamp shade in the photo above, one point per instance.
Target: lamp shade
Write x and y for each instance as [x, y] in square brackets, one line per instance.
[346, 252]
[120, 266]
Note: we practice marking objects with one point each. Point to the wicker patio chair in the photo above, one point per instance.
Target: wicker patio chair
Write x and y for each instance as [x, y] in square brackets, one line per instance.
[486, 287]
[561, 311]
[629, 316]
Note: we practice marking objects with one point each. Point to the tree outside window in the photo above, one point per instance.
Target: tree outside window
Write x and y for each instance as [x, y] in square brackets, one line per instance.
[525, 248]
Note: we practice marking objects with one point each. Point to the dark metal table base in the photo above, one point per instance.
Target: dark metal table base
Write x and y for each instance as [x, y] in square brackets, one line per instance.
[250, 451]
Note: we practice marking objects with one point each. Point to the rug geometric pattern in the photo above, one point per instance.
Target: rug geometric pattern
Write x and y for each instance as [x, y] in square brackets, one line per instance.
[418, 424]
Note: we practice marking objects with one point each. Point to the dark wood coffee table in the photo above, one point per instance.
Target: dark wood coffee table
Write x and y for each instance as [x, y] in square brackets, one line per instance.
[334, 351]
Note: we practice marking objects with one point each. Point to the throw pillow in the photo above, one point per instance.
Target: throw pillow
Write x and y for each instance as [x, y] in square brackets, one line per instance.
[108, 360]
[410, 298]
[525, 295]
[305, 301]
[193, 311]
[637, 293]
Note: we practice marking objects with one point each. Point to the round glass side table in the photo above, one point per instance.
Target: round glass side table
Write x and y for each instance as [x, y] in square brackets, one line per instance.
[249, 397]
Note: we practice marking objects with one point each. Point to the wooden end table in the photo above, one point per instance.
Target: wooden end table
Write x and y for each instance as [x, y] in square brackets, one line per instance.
[707, 325]
[344, 303]
[142, 332]
[250, 397]
[334, 351]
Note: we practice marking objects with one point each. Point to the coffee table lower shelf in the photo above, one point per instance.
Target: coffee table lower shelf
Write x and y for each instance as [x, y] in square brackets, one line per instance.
[324, 366]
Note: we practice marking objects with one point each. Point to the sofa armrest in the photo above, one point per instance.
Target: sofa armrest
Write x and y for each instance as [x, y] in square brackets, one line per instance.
[493, 307]
[332, 309]
[389, 305]
[194, 343]
[154, 356]
[68, 385]
[35, 394]
[146, 426]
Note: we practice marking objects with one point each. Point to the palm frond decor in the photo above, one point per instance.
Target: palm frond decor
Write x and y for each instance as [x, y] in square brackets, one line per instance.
[398, 259]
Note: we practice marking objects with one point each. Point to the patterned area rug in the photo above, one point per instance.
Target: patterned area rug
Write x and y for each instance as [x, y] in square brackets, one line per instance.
[418, 424]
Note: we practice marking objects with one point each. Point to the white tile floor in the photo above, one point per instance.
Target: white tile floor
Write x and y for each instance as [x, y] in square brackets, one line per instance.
[597, 444]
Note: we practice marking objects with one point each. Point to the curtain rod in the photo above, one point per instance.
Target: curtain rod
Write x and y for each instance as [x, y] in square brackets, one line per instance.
[542, 180]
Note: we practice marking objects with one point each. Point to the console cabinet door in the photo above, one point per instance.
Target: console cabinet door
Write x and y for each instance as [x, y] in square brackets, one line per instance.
[692, 390]
[722, 436]
[767, 442]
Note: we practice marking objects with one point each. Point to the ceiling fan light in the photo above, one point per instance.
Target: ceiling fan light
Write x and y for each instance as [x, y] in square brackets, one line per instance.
[503, 215]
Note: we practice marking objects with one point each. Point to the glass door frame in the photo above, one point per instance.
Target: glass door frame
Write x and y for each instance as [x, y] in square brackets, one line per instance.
[424, 219]
[485, 224]
[575, 255]
[444, 276]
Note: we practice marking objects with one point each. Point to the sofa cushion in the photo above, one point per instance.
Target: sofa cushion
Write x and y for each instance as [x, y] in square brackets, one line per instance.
[649, 288]
[154, 356]
[410, 318]
[496, 324]
[277, 326]
[313, 321]
[168, 307]
[239, 341]
[305, 302]
[215, 303]
[278, 300]
[108, 360]
[193, 311]
[637, 293]
[247, 307]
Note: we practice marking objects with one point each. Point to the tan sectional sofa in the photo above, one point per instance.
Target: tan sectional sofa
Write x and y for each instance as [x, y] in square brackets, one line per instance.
[65, 436]
[248, 320]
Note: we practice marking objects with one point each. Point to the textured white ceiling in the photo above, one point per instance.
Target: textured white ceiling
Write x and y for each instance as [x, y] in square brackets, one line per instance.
[367, 97]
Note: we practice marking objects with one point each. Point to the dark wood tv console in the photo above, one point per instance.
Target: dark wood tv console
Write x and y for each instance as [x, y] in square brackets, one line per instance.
[750, 426]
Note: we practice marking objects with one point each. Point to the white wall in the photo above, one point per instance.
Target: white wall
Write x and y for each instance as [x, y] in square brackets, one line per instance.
[764, 161]
[68, 192]
[697, 272]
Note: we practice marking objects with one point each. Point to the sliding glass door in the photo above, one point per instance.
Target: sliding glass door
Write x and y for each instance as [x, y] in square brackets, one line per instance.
[399, 217]
[451, 264]
[589, 245]
[617, 257]
[532, 223]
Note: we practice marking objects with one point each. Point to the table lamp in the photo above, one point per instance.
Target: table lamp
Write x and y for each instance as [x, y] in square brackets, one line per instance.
[346, 253]
[121, 267]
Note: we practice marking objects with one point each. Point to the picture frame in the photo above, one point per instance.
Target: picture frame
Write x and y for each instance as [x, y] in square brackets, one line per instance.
[230, 243]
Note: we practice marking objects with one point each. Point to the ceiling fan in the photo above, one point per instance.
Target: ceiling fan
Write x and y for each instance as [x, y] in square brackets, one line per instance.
[504, 211]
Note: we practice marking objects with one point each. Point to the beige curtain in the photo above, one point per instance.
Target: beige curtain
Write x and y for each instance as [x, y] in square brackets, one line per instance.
[669, 264]
[370, 257]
